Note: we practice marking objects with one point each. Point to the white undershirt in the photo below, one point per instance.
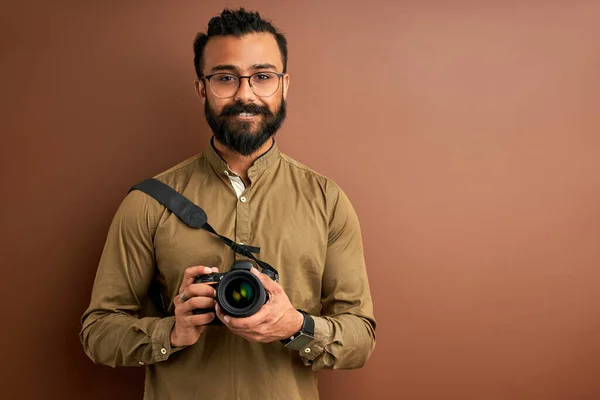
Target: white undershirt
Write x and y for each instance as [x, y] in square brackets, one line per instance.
[237, 183]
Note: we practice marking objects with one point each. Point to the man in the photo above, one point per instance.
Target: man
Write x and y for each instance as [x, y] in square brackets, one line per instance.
[302, 222]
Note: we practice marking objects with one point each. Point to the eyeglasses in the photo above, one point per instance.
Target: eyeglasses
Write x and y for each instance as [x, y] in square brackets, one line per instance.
[263, 84]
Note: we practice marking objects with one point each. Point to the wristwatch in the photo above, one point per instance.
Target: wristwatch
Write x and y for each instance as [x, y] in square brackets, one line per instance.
[304, 336]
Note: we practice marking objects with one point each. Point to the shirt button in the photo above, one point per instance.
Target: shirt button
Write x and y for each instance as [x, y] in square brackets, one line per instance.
[243, 199]
[141, 363]
[163, 350]
[307, 350]
[226, 173]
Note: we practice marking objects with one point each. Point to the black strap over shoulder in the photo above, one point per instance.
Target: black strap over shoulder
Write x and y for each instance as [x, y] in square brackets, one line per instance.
[195, 217]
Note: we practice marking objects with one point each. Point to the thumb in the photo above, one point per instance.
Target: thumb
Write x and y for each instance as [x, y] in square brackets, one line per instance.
[269, 284]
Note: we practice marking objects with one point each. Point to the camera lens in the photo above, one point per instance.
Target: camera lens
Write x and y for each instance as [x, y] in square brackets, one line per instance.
[240, 293]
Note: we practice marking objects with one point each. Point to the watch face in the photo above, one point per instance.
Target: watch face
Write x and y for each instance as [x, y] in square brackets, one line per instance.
[301, 341]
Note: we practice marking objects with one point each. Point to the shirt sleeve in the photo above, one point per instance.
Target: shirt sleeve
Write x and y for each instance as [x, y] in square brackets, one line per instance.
[112, 331]
[345, 330]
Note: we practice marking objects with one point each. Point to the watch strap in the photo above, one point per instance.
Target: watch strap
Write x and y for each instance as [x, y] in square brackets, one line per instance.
[308, 327]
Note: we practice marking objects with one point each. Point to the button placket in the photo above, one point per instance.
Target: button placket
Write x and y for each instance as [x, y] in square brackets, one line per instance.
[243, 220]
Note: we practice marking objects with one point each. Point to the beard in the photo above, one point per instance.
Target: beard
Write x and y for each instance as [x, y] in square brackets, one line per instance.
[240, 136]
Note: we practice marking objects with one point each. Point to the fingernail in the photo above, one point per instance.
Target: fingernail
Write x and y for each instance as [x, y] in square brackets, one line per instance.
[226, 319]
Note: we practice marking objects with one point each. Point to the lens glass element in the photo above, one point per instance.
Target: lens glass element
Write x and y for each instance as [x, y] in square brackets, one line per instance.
[240, 293]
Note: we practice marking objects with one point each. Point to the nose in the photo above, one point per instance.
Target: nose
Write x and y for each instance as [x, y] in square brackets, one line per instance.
[245, 93]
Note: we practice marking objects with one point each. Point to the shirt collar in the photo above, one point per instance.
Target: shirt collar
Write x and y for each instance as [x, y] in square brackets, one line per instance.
[260, 165]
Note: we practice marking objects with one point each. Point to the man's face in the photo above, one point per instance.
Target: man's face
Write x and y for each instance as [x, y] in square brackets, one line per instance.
[244, 121]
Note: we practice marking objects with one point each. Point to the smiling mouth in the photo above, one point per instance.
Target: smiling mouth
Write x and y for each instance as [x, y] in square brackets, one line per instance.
[245, 115]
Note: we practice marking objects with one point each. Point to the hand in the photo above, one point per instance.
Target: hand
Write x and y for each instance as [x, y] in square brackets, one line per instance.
[188, 327]
[276, 320]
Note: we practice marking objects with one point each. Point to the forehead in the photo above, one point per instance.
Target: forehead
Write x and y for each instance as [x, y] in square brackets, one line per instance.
[242, 52]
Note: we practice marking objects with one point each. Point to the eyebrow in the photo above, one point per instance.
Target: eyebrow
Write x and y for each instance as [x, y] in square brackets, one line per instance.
[264, 66]
[229, 67]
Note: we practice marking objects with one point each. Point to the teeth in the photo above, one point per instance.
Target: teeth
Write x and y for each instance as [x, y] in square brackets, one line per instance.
[245, 114]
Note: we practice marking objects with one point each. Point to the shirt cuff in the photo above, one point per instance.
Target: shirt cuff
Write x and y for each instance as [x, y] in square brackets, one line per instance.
[323, 333]
[161, 340]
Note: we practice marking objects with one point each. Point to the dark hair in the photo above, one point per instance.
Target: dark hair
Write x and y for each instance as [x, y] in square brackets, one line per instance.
[236, 23]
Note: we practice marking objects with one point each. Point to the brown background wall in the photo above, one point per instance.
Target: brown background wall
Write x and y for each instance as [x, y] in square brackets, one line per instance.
[466, 134]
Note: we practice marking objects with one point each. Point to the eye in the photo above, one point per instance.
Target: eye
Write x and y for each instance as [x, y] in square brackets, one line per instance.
[225, 78]
[263, 77]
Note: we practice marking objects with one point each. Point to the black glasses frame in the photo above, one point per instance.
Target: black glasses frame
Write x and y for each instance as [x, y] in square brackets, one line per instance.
[240, 77]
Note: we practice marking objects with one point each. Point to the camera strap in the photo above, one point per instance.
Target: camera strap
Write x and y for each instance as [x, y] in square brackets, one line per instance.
[195, 217]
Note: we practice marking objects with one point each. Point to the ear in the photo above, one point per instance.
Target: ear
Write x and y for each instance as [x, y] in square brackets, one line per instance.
[200, 89]
[286, 85]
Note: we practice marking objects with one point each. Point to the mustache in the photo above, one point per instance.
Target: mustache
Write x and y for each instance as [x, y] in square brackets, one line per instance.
[239, 108]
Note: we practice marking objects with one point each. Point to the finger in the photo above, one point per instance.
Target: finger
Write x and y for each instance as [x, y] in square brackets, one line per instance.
[270, 285]
[200, 319]
[220, 314]
[190, 274]
[195, 290]
[196, 302]
[248, 323]
[225, 318]
[199, 290]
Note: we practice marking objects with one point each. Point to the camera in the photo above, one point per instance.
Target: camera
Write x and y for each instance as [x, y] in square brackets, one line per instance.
[240, 293]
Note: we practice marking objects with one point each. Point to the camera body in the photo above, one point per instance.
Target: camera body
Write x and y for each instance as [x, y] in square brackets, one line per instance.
[240, 293]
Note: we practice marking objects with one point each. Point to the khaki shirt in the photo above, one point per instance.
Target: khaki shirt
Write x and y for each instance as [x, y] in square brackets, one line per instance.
[306, 228]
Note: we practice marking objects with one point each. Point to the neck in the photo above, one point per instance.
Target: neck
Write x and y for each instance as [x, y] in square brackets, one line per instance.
[238, 163]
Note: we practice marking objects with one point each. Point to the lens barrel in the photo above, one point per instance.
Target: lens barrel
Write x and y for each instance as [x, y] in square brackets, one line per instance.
[241, 294]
